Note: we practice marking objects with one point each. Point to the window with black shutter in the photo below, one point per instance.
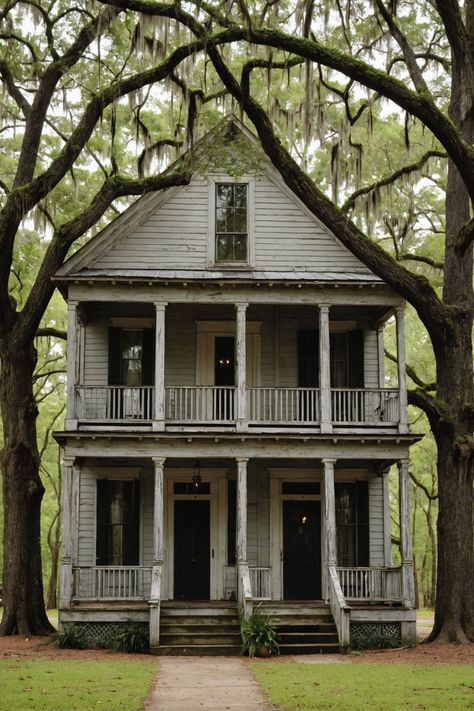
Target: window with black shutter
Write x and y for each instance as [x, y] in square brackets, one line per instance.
[352, 523]
[118, 522]
[346, 359]
[231, 520]
[131, 356]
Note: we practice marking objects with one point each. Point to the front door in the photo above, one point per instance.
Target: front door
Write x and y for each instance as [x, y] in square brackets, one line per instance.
[192, 550]
[301, 550]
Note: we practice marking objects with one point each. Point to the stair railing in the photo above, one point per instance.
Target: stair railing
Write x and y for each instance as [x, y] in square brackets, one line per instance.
[339, 607]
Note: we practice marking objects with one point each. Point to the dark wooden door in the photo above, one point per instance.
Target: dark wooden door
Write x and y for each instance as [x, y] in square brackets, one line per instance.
[191, 550]
[301, 550]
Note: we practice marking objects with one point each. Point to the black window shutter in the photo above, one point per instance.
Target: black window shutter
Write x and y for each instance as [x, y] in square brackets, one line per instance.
[101, 523]
[231, 520]
[356, 359]
[363, 553]
[148, 356]
[114, 356]
[131, 542]
[308, 358]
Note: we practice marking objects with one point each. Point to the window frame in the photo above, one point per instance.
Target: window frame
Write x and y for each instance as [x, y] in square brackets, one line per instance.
[213, 262]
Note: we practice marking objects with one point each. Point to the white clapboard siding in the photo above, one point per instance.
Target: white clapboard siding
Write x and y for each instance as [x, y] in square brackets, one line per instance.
[175, 236]
[371, 361]
[180, 348]
[146, 485]
[96, 354]
[286, 237]
[86, 550]
[376, 521]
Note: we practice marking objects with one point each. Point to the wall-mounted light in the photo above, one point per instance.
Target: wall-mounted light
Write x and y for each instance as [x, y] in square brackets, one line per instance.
[197, 476]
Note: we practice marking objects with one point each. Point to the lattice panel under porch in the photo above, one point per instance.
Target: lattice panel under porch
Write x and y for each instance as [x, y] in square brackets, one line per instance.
[362, 633]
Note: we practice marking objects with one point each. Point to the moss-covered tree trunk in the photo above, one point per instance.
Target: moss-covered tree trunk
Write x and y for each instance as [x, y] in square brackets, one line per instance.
[23, 604]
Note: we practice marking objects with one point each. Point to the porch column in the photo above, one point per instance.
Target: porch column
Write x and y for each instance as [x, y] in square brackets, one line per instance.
[241, 542]
[159, 399]
[402, 378]
[241, 368]
[387, 533]
[66, 579]
[330, 512]
[72, 366]
[408, 586]
[158, 552]
[380, 349]
[324, 369]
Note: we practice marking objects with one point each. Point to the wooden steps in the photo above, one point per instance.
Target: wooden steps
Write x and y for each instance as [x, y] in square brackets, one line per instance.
[303, 627]
[201, 629]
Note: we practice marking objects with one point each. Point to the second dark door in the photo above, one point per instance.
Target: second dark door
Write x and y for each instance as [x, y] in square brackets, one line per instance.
[191, 550]
[301, 550]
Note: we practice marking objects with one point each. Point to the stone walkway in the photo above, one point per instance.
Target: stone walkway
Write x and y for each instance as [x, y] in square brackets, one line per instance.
[201, 683]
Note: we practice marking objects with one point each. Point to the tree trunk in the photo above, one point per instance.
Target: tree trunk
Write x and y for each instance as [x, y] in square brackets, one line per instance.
[53, 543]
[23, 603]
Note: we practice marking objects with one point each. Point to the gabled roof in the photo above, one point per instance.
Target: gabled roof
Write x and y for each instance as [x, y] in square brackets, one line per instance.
[243, 152]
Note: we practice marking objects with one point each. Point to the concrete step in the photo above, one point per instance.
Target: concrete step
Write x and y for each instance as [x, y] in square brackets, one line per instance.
[306, 638]
[328, 648]
[325, 627]
[201, 650]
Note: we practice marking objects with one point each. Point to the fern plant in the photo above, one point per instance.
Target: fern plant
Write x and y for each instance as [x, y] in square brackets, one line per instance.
[259, 637]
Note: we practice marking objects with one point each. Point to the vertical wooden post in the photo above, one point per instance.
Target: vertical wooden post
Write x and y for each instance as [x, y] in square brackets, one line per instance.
[158, 547]
[380, 355]
[241, 516]
[330, 512]
[159, 399]
[387, 533]
[402, 378]
[72, 366]
[66, 581]
[241, 368]
[408, 587]
[324, 369]
[158, 552]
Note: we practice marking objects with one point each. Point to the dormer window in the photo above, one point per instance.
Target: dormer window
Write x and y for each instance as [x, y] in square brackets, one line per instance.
[231, 223]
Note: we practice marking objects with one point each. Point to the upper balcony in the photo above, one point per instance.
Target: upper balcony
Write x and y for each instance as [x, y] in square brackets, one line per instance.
[234, 367]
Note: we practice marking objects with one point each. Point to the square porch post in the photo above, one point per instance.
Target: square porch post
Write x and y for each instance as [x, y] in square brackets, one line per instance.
[324, 370]
[67, 516]
[158, 552]
[159, 397]
[241, 367]
[402, 378]
[72, 365]
[244, 591]
[330, 512]
[408, 583]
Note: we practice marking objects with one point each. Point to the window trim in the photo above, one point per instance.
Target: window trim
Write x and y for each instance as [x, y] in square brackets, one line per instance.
[212, 262]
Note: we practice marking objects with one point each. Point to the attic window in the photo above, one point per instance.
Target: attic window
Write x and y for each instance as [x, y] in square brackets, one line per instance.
[232, 222]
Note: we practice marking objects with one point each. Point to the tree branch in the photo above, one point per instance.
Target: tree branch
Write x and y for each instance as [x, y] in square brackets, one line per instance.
[390, 179]
[412, 374]
[423, 487]
[51, 332]
[414, 288]
[407, 257]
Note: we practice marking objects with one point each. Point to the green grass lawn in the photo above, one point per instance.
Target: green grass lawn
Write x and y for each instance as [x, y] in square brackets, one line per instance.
[424, 614]
[75, 685]
[366, 687]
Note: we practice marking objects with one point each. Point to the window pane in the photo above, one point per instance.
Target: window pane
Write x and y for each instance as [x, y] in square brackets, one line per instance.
[240, 220]
[224, 247]
[240, 248]
[223, 195]
[240, 196]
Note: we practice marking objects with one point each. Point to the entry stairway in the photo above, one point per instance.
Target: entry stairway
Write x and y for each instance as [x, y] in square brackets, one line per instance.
[212, 628]
[303, 626]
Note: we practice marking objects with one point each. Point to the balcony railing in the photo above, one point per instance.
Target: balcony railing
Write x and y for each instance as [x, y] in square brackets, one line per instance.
[292, 406]
[214, 405]
[200, 404]
[115, 403]
[371, 584]
[112, 583]
[364, 406]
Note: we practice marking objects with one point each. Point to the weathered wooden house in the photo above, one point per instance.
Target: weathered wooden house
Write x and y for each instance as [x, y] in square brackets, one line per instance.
[229, 430]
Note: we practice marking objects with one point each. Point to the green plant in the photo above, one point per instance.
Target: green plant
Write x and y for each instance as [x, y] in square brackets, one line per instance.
[72, 637]
[132, 637]
[259, 637]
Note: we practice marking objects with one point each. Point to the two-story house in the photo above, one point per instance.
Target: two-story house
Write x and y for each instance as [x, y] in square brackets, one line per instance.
[229, 430]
